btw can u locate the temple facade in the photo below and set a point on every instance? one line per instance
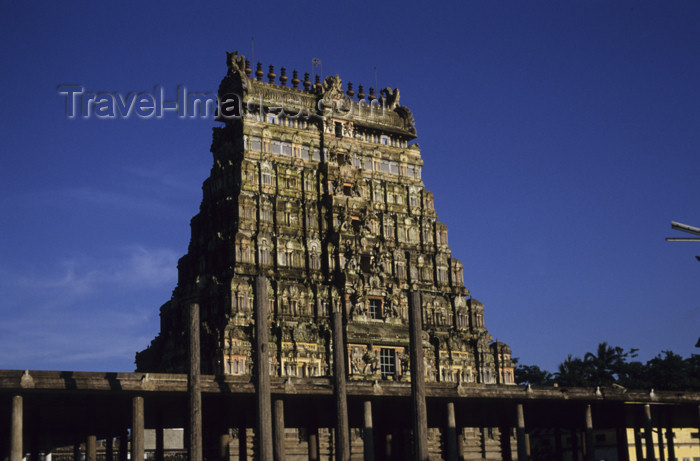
(318, 188)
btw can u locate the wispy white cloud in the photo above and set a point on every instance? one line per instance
(84, 313)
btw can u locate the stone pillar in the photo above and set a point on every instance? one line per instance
(123, 445)
(623, 453)
(368, 438)
(558, 448)
(160, 442)
(91, 448)
(638, 452)
(506, 449)
(278, 429)
(313, 444)
(16, 442)
(420, 413)
(342, 429)
(194, 386)
(590, 441)
(520, 433)
(224, 441)
(137, 429)
(451, 433)
(670, 443)
(262, 372)
(648, 435)
(109, 449)
(660, 439)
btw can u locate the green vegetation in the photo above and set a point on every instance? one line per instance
(613, 365)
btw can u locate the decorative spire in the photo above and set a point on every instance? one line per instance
(307, 82)
(295, 79)
(350, 92)
(248, 70)
(283, 77)
(259, 72)
(372, 97)
(317, 85)
(361, 93)
(271, 75)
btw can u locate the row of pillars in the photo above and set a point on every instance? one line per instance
(137, 435)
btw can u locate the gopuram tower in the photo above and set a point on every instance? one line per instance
(317, 188)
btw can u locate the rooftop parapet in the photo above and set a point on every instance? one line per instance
(324, 100)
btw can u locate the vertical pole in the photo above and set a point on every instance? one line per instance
(109, 449)
(194, 386)
(638, 452)
(451, 435)
(506, 449)
(224, 441)
(670, 443)
(91, 448)
(648, 435)
(137, 429)
(160, 439)
(520, 433)
(590, 441)
(262, 372)
(76, 452)
(16, 448)
(623, 448)
(313, 444)
(342, 431)
(420, 414)
(662, 455)
(278, 427)
(124, 445)
(558, 448)
(368, 448)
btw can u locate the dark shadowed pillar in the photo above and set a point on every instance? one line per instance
(451, 433)
(590, 441)
(313, 444)
(520, 433)
(16, 448)
(670, 443)
(623, 449)
(648, 435)
(342, 430)
(638, 452)
(194, 387)
(368, 448)
(506, 449)
(124, 445)
(278, 428)
(420, 413)
(137, 428)
(660, 433)
(262, 372)
(109, 449)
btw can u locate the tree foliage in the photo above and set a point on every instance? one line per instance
(610, 365)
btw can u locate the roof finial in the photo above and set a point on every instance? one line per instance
(295, 79)
(361, 93)
(283, 77)
(247, 70)
(271, 75)
(372, 97)
(350, 92)
(307, 82)
(318, 83)
(259, 72)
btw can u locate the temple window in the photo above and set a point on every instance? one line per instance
(374, 306)
(387, 361)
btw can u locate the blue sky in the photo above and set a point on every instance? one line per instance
(560, 140)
